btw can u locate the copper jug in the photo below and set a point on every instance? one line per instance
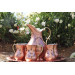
(37, 39)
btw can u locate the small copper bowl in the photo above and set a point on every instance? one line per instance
(30, 53)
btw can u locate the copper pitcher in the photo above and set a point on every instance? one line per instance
(36, 36)
(37, 39)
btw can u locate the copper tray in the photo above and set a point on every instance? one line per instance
(58, 59)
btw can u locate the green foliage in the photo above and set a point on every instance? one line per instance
(7, 21)
(62, 25)
(62, 31)
(9, 28)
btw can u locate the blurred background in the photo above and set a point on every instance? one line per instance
(62, 24)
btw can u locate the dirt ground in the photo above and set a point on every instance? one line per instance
(66, 52)
(6, 50)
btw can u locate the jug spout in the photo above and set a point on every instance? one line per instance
(33, 29)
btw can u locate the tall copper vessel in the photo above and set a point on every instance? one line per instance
(37, 39)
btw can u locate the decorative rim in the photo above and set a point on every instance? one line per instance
(20, 44)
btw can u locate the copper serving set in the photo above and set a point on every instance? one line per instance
(36, 49)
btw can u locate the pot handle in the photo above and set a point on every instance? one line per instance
(48, 38)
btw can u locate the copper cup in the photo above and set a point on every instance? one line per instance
(20, 50)
(49, 55)
(30, 53)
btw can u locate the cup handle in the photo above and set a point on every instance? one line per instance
(13, 48)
